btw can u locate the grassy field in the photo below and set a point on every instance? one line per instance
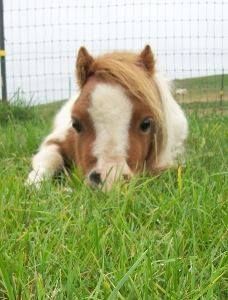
(156, 238)
(203, 89)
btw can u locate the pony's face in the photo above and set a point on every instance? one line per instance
(116, 132)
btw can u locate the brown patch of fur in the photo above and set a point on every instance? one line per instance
(83, 63)
(83, 151)
(143, 147)
(76, 148)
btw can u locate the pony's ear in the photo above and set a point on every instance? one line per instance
(146, 58)
(83, 64)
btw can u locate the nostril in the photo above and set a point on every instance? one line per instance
(95, 177)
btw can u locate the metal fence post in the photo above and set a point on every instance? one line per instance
(222, 88)
(2, 54)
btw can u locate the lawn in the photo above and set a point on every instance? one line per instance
(155, 238)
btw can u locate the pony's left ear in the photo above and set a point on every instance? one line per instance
(146, 58)
(83, 66)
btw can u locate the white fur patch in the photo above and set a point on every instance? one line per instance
(62, 122)
(175, 123)
(111, 112)
(45, 164)
(48, 160)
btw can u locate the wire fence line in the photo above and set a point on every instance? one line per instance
(189, 38)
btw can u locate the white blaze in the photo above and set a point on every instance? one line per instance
(111, 112)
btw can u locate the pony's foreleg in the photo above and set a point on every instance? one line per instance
(45, 164)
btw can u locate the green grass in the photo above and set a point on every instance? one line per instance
(207, 107)
(156, 238)
(206, 88)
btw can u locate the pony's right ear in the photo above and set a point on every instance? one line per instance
(83, 64)
(146, 58)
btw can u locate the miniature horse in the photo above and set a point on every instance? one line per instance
(123, 122)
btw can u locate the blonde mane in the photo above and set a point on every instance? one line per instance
(127, 70)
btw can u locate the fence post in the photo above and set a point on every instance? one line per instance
(2, 54)
(222, 88)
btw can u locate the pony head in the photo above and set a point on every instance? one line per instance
(118, 117)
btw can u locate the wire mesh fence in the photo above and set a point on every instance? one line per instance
(189, 38)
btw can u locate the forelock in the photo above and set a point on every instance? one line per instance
(124, 69)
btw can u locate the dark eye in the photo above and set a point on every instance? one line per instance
(146, 125)
(77, 125)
